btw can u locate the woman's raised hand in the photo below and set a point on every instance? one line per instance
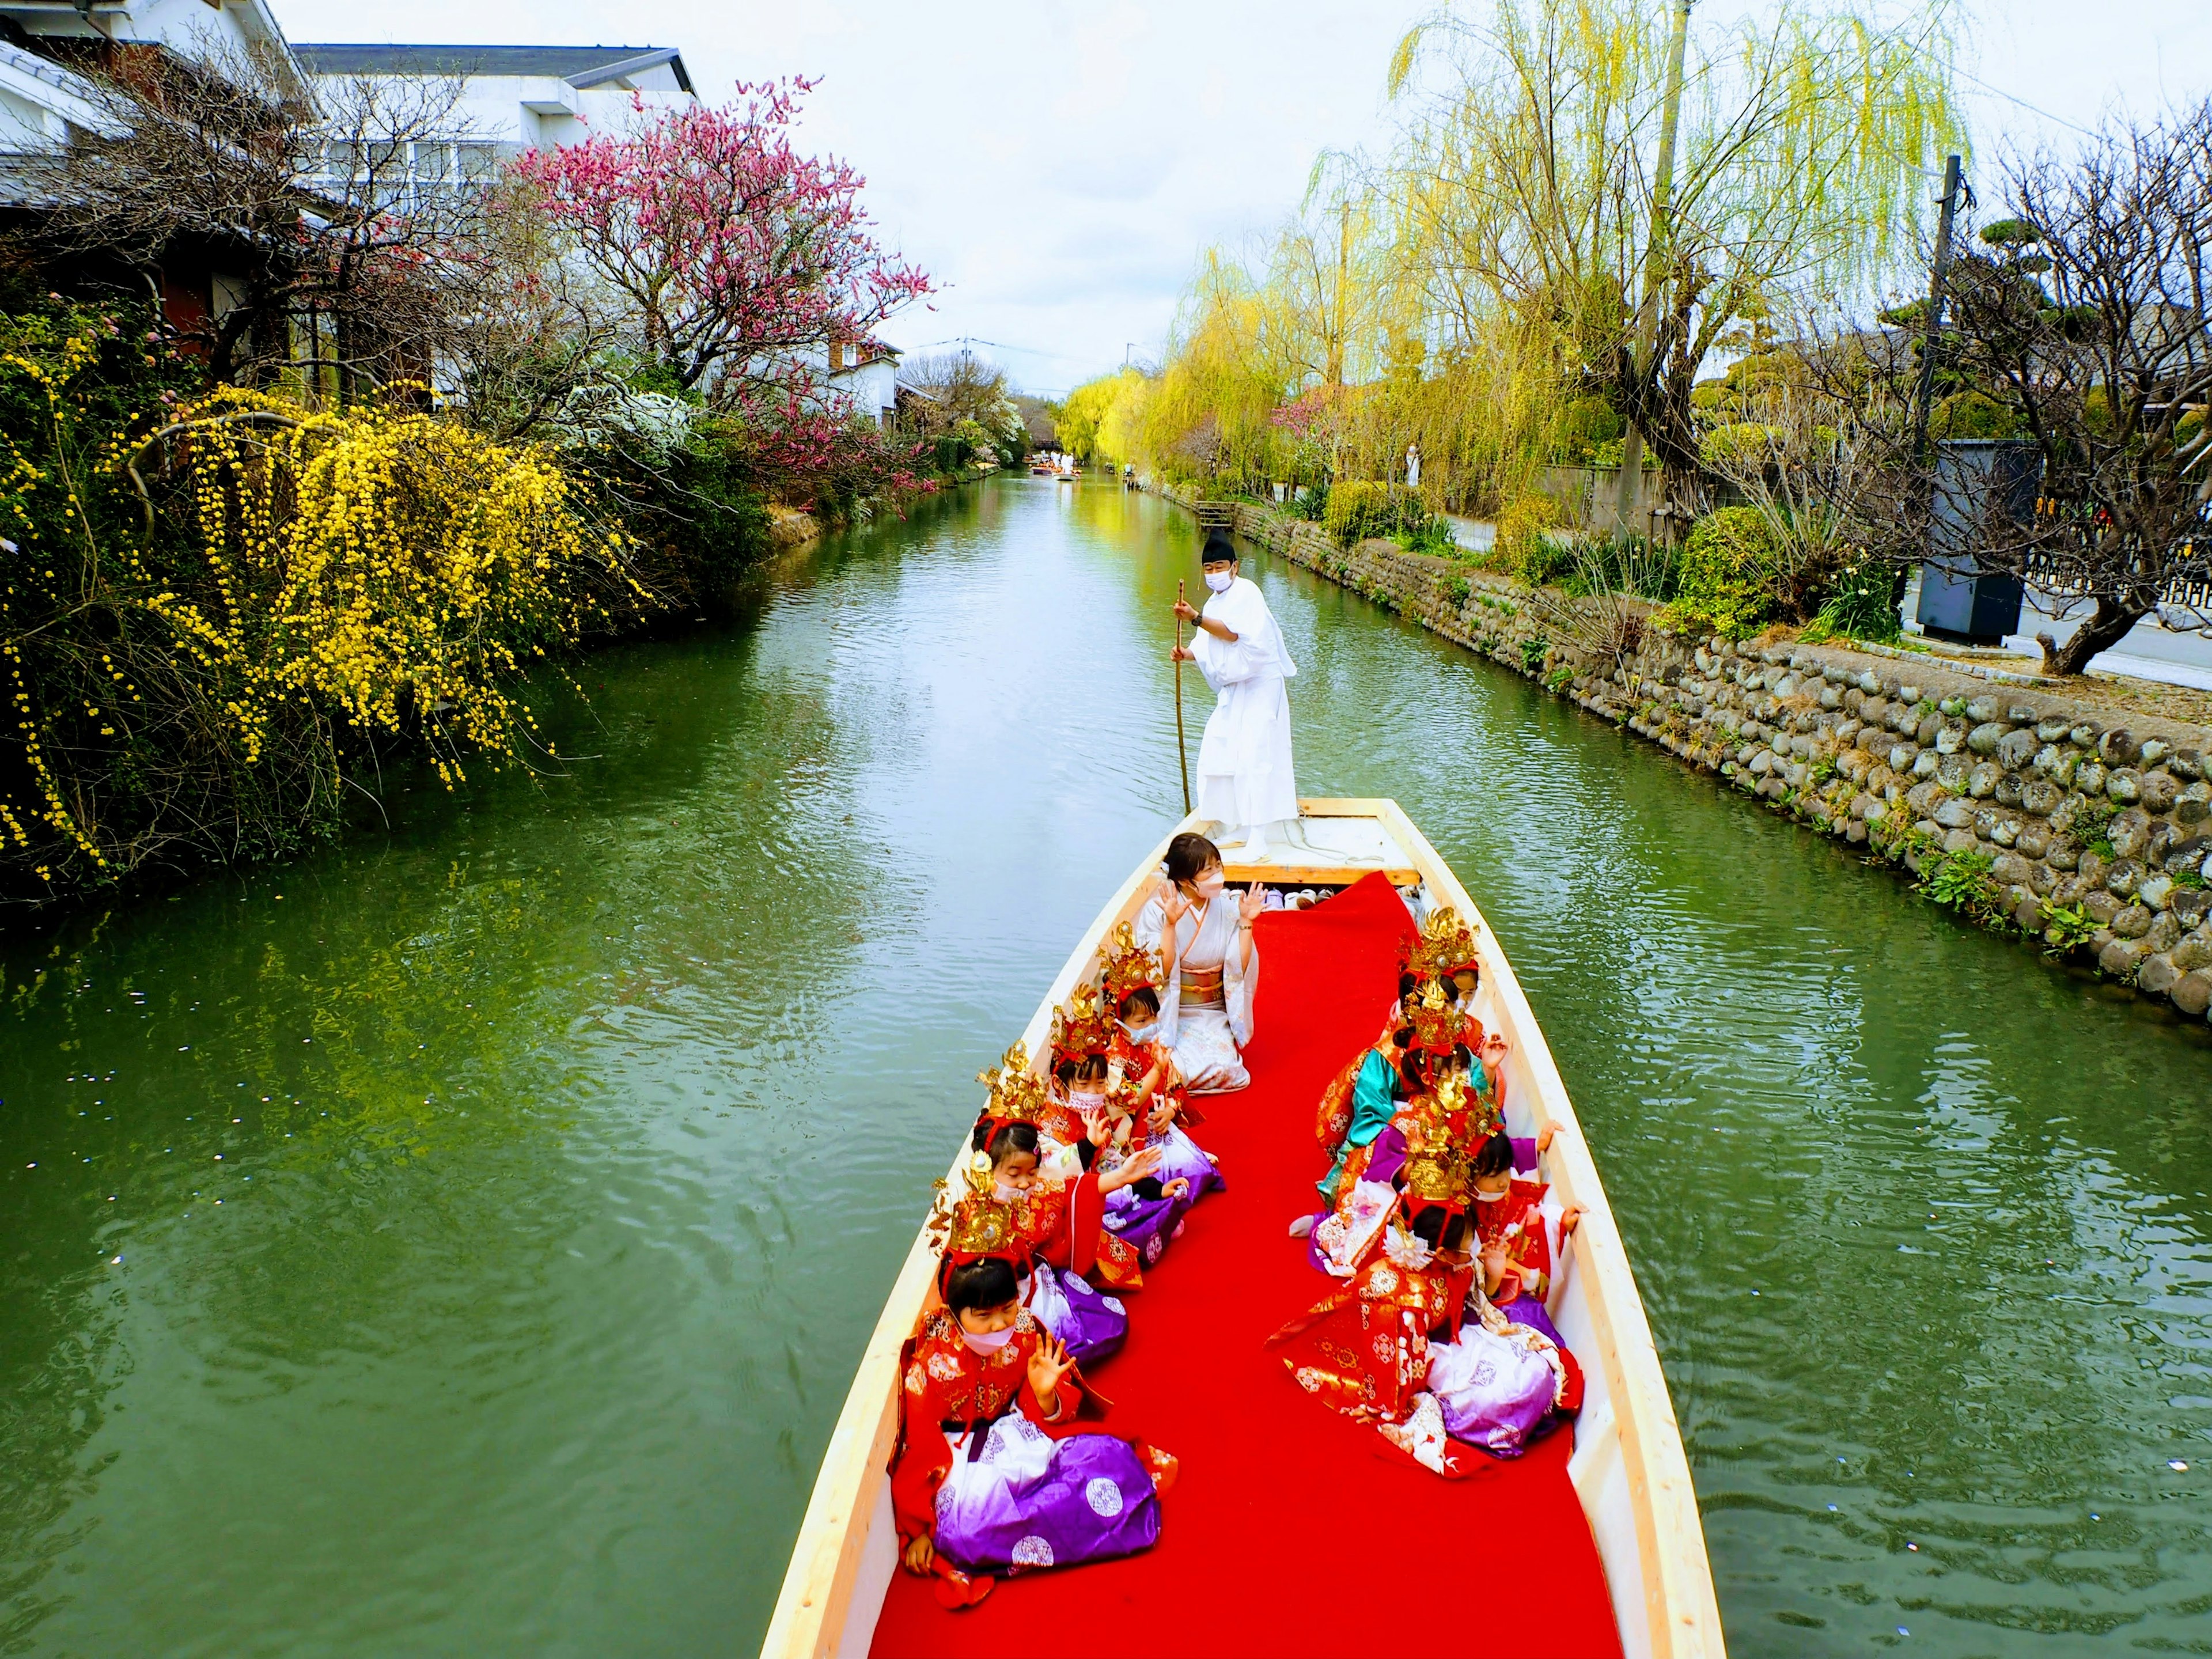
(1250, 902)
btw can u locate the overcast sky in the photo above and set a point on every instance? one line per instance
(1058, 168)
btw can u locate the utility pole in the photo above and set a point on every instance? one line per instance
(1343, 259)
(1939, 269)
(1655, 257)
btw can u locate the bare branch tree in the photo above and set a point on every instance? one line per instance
(343, 229)
(2087, 319)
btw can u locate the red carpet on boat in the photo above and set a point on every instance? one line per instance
(1285, 1533)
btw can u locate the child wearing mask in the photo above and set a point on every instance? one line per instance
(992, 1473)
(1521, 1228)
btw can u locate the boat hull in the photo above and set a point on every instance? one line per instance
(1628, 1469)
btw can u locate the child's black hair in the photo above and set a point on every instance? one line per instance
(1407, 984)
(1429, 1227)
(1495, 1155)
(1087, 1067)
(975, 1285)
(1013, 1138)
(1143, 997)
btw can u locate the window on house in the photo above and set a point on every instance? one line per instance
(479, 163)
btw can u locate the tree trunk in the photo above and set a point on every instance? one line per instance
(2105, 629)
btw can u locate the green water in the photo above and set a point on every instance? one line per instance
(460, 1242)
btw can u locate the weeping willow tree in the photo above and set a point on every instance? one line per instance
(1536, 266)
(1552, 208)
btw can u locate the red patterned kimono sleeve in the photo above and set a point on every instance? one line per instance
(1332, 1114)
(1529, 1250)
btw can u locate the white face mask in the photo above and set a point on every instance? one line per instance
(1004, 1194)
(1141, 1033)
(1498, 1197)
(1219, 580)
(1210, 884)
(987, 1341)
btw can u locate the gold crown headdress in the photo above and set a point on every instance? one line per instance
(1437, 1024)
(983, 1225)
(1439, 1163)
(1446, 945)
(1018, 1093)
(1127, 967)
(1081, 1027)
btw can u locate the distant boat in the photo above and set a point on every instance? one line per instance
(1615, 1502)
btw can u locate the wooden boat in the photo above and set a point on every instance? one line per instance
(1630, 1481)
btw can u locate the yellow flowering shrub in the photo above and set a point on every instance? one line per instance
(218, 605)
(394, 568)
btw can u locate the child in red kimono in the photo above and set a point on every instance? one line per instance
(1389, 1348)
(1062, 1222)
(1520, 1229)
(1363, 1350)
(991, 1472)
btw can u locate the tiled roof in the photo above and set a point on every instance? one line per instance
(580, 66)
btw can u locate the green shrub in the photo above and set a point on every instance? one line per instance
(1971, 414)
(1726, 584)
(1357, 509)
(1311, 502)
(1532, 653)
(1962, 882)
(2065, 930)
(1858, 607)
(1743, 445)
(1582, 427)
(1524, 548)
(1421, 531)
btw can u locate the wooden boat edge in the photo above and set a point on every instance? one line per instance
(811, 1608)
(1680, 1610)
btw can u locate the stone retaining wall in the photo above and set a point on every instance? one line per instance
(2073, 814)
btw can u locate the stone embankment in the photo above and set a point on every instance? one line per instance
(2031, 812)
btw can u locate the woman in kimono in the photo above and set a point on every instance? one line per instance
(991, 1472)
(1204, 935)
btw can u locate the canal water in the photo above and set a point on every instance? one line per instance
(459, 1243)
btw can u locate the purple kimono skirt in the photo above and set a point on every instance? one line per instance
(1089, 1323)
(1494, 1391)
(1027, 1500)
(1151, 1224)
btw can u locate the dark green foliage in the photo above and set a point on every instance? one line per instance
(1858, 607)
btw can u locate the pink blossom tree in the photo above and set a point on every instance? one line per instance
(735, 256)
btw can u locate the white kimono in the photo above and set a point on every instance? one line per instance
(1244, 760)
(1208, 1040)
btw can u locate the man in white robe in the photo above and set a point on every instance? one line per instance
(1244, 779)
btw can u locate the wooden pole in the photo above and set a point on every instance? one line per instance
(1182, 752)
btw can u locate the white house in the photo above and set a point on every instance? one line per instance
(42, 96)
(866, 372)
(514, 99)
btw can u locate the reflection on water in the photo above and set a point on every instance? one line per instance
(501, 1202)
